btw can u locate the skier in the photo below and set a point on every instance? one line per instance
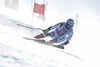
(61, 32)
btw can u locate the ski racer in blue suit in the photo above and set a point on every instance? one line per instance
(61, 32)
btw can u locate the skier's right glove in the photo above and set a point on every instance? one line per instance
(46, 30)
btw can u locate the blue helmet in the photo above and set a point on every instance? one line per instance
(70, 23)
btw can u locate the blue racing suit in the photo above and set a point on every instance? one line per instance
(60, 33)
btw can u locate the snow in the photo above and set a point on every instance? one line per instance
(16, 51)
(82, 51)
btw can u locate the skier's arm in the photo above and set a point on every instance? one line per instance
(56, 26)
(53, 27)
(68, 38)
(70, 34)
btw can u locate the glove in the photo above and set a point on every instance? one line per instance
(46, 30)
(66, 42)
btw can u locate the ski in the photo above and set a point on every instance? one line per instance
(43, 42)
(34, 39)
(58, 46)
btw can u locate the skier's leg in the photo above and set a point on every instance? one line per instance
(54, 37)
(57, 39)
(53, 41)
(42, 35)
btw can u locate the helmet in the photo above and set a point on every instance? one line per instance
(70, 23)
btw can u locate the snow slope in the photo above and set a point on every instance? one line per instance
(16, 51)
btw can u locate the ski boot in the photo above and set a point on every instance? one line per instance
(61, 46)
(39, 36)
(42, 35)
(45, 33)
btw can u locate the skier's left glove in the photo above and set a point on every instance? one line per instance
(66, 42)
(46, 30)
